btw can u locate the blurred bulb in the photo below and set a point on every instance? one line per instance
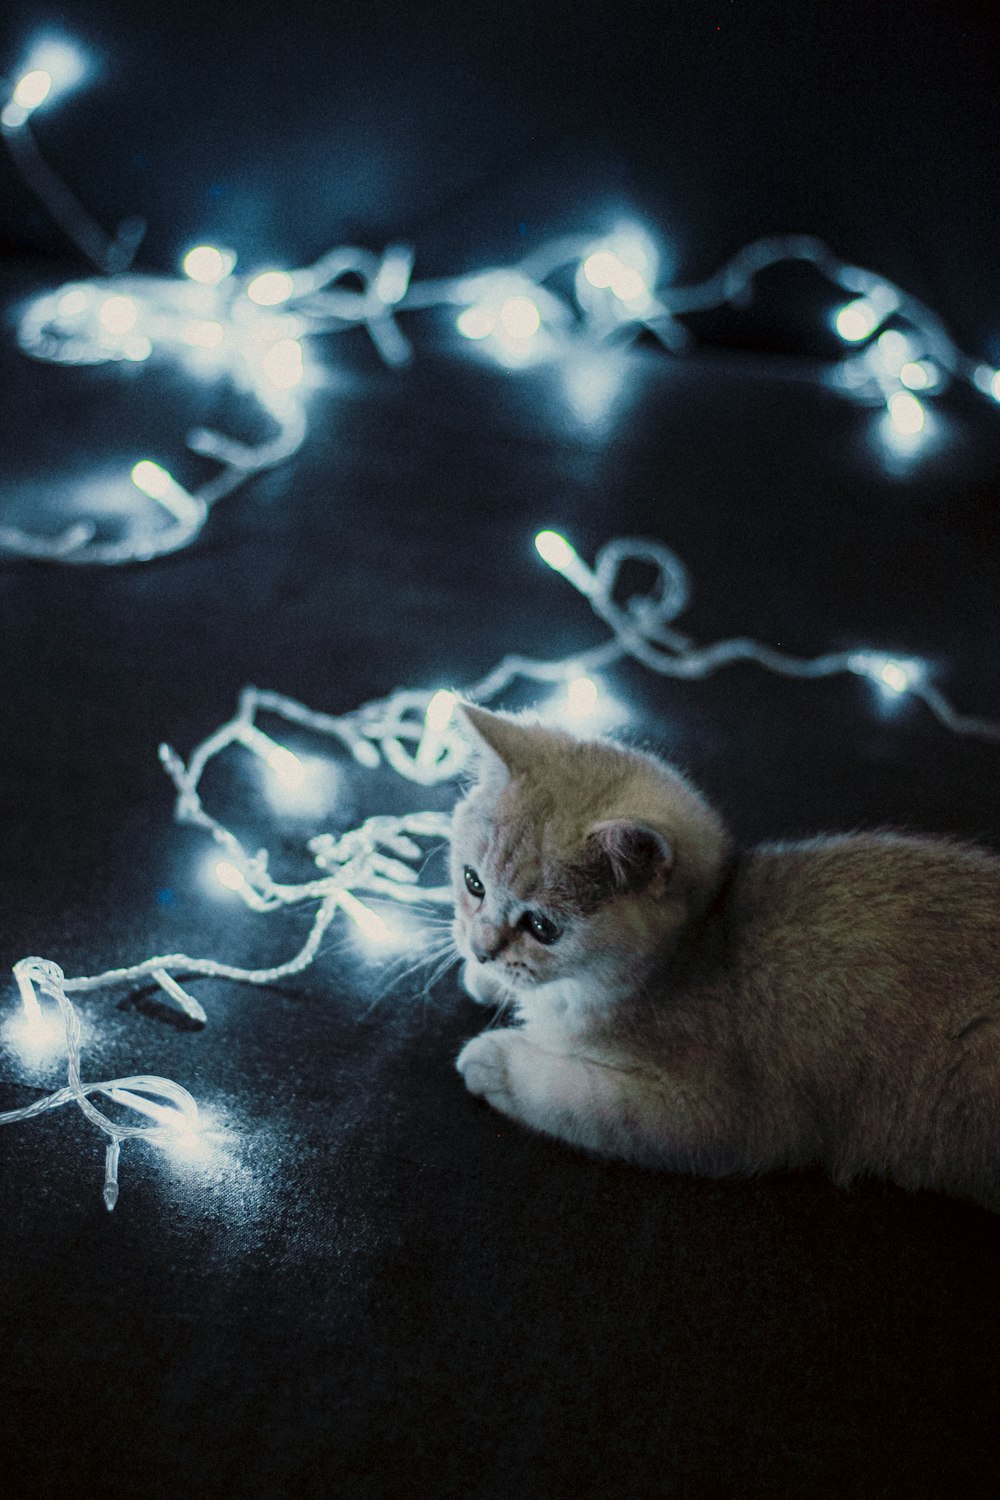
(437, 717)
(208, 264)
(556, 551)
(368, 922)
(151, 478)
(918, 374)
(519, 318)
(73, 302)
(906, 414)
(270, 288)
(857, 320)
(229, 876)
(582, 694)
(894, 676)
(117, 314)
(32, 89)
(476, 322)
(282, 364)
(601, 267)
(285, 764)
(895, 348)
(203, 333)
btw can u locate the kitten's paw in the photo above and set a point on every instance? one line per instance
(483, 1063)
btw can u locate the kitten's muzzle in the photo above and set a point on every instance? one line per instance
(488, 943)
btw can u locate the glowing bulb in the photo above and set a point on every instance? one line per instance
(439, 710)
(582, 694)
(33, 88)
(151, 478)
(118, 314)
(52, 68)
(208, 264)
(72, 303)
(895, 348)
(891, 673)
(995, 386)
(285, 764)
(437, 717)
(368, 922)
(476, 322)
(918, 374)
(601, 268)
(270, 288)
(556, 551)
(519, 318)
(857, 320)
(906, 414)
(894, 677)
(282, 364)
(137, 348)
(229, 876)
(203, 333)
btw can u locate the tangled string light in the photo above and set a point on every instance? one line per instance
(415, 734)
(569, 301)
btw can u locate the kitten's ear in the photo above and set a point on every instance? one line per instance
(511, 741)
(635, 855)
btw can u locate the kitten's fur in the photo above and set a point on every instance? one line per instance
(704, 1010)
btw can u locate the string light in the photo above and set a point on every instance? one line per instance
(250, 329)
(414, 733)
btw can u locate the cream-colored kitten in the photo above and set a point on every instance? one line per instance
(686, 1006)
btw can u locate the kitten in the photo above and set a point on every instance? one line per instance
(689, 1006)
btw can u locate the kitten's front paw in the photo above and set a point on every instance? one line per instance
(483, 1064)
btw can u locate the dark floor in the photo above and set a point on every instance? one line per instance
(376, 1287)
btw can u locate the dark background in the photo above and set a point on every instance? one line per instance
(379, 1288)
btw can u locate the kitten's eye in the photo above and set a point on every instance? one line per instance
(473, 884)
(542, 928)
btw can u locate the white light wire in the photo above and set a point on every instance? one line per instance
(250, 328)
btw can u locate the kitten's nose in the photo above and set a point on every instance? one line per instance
(487, 943)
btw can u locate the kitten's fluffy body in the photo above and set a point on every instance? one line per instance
(833, 1001)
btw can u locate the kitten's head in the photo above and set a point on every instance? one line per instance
(576, 859)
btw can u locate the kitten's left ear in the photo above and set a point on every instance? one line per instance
(636, 855)
(514, 743)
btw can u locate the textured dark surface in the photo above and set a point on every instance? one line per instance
(383, 1289)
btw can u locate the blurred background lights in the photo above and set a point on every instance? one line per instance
(282, 364)
(906, 414)
(519, 318)
(118, 314)
(203, 333)
(32, 89)
(555, 550)
(476, 322)
(897, 676)
(51, 68)
(151, 478)
(270, 288)
(918, 374)
(227, 875)
(856, 321)
(208, 264)
(282, 762)
(74, 301)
